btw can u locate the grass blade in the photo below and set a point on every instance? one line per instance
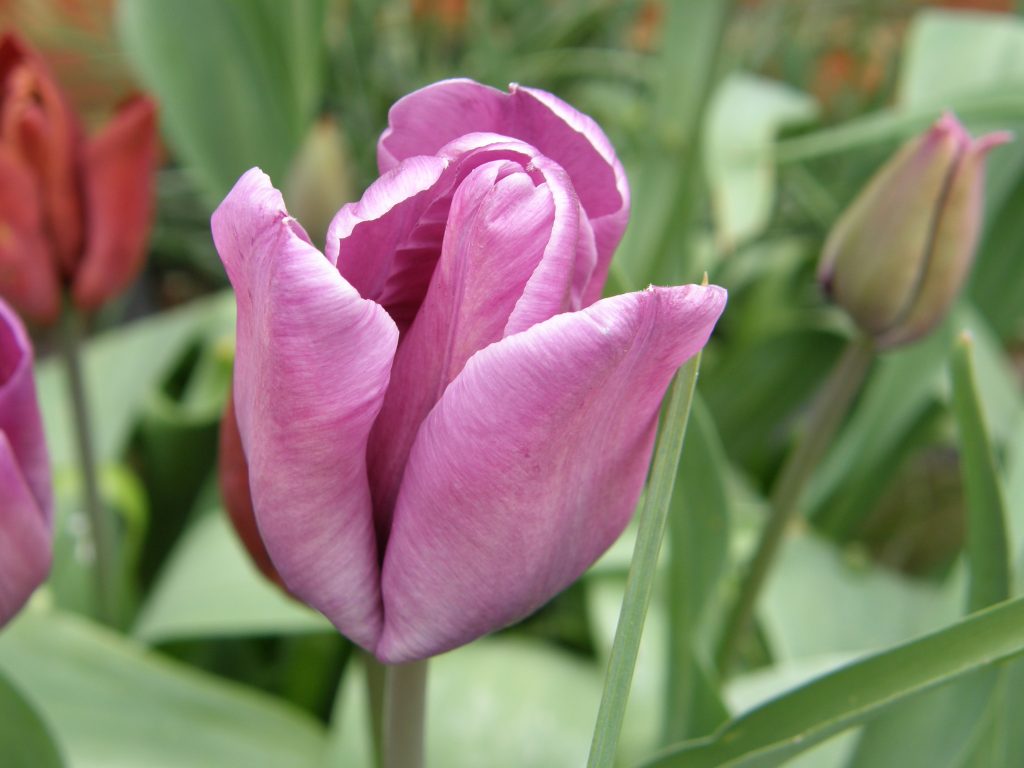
(796, 721)
(640, 582)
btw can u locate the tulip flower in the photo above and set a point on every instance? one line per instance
(74, 212)
(442, 424)
(900, 254)
(26, 502)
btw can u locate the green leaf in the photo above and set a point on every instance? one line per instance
(987, 547)
(239, 81)
(653, 518)
(1015, 505)
(25, 739)
(812, 577)
(698, 535)
(113, 704)
(210, 588)
(122, 368)
(936, 729)
(746, 114)
(792, 723)
(945, 728)
(989, 51)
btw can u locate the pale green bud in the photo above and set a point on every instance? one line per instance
(900, 253)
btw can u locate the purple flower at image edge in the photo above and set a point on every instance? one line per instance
(441, 423)
(26, 497)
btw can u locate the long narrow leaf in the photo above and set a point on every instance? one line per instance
(640, 582)
(796, 721)
(988, 550)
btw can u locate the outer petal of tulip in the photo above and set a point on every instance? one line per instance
(386, 244)
(530, 466)
(567, 136)
(26, 502)
(19, 413)
(25, 548)
(500, 223)
(120, 163)
(312, 364)
(28, 276)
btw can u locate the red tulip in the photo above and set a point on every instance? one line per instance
(74, 211)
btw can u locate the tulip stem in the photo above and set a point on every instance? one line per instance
(404, 716)
(826, 415)
(376, 674)
(99, 523)
(652, 518)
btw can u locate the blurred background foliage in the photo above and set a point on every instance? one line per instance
(745, 128)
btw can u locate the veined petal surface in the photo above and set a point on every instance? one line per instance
(500, 222)
(426, 120)
(312, 365)
(25, 543)
(530, 466)
(20, 421)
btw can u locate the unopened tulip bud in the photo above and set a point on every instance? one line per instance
(320, 179)
(900, 253)
(75, 211)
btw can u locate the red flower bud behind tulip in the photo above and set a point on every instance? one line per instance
(441, 423)
(26, 501)
(899, 255)
(74, 211)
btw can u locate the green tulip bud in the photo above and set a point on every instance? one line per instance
(900, 253)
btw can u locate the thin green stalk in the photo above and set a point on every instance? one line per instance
(376, 674)
(405, 694)
(640, 581)
(100, 524)
(826, 415)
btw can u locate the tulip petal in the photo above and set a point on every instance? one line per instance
(499, 224)
(28, 276)
(605, 200)
(19, 414)
(387, 244)
(312, 365)
(25, 543)
(424, 121)
(120, 163)
(530, 466)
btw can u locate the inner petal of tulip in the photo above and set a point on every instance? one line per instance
(500, 221)
(414, 258)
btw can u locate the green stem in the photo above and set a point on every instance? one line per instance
(375, 677)
(404, 707)
(100, 524)
(826, 415)
(640, 581)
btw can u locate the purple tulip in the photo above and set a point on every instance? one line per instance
(26, 500)
(442, 424)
